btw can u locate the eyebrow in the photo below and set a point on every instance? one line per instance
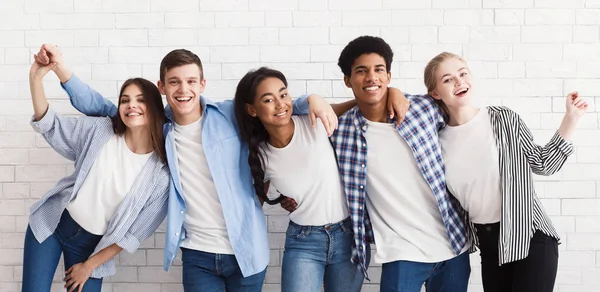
(127, 95)
(271, 94)
(365, 67)
(463, 68)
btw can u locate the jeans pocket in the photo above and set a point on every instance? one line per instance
(297, 231)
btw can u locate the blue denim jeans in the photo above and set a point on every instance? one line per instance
(208, 272)
(317, 256)
(40, 259)
(447, 276)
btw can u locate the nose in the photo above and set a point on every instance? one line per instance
(371, 76)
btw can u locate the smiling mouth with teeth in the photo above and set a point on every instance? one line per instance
(461, 91)
(372, 88)
(281, 114)
(133, 115)
(183, 99)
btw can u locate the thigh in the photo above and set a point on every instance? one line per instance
(451, 275)
(200, 272)
(236, 282)
(404, 276)
(341, 275)
(39, 262)
(304, 260)
(537, 272)
(495, 278)
(92, 285)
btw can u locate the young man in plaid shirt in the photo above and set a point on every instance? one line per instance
(395, 183)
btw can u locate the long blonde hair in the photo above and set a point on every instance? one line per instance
(431, 69)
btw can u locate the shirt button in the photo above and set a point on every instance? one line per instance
(364, 144)
(360, 208)
(364, 127)
(363, 166)
(361, 187)
(360, 247)
(181, 212)
(176, 233)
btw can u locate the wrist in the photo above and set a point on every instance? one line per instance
(571, 116)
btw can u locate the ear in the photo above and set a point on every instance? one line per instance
(161, 87)
(435, 95)
(347, 81)
(202, 85)
(251, 110)
(389, 77)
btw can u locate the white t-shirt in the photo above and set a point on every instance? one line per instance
(306, 170)
(473, 168)
(108, 182)
(404, 214)
(204, 221)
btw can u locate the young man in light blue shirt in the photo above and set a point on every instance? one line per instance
(214, 214)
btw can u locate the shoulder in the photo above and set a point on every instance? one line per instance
(503, 113)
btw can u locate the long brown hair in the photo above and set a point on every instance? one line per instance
(431, 69)
(155, 113)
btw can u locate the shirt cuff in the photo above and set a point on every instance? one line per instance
(46, 123)
(129, 243)
(565, 146)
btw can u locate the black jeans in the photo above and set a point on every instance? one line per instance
(535, 273)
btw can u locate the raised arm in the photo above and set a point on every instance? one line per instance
(84, 98)
(550, 158)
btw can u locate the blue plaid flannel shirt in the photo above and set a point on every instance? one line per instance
(420, 130)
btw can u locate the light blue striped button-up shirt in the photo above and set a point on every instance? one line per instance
(227, 159)
(139, 214)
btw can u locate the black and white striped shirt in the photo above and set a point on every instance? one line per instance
(519, 157)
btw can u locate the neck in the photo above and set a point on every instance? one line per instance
(280, 136)
(139, 141)
(461, 115)
(374, 112)
(186, 119)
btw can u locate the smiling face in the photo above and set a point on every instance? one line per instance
(132, 108)
(182, 87)
(369, 79)
(272, 104)
(453, 83)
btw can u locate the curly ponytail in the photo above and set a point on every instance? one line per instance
(252, 131)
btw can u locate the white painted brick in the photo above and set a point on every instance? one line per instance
(531, 104)
(423, 35)
(17, 21)
(273, 5)
(285, 54)
(592, 3)
(115, 71)
(427, 51)
(417, 17)
(6, 274)
(12, 207)
(124, 287)
(580, 207)
(563, 223)
(568, 276)
(189, 20)
(50, 6)
(263, 36)
(559, 4)
(124, 38)
(409, 70)
(570, 189)
(487, 52)
(326, 53)
(139, 20)
(468, 16)
(492, 34)
(453, 34)
(508, 4)
(585, 33)
(322, 88)
(17, 139)
(234, 54)
(484, 69)
(586, 138)
(135, 55)
(12, 38)
(7, 174)
(588, 154)
(456, 4)
(46, 156)
(585, 87)
(318, 18)
(581, 52)
(87, 6)
(273, 275)
(172, 37)
(303, 36)
(78, 21)
(277, 223)
(12, 240)
(501, 87)
(552, 206)
(549, 16)
(221, 89)
(509, 16)
(313, 5)
(367, 18)
(394, 35)
(406, 4)
(590, 277)
(212, 71)
(223, 36)
(583, 241)
(36, 38)
(137, 258)
(15, 190)
(304, 71)
(13, 6)
(240, 19)
(537, 52)
(331, 71)
(174, 5)
(552, 121)
(223, 5)
(354, 5)
(587, 16)
(86, 38)
(343, 35)
(90, 55)
(39, 173)
(588, 223)
(547, 34)
(548, 69)
(158, 275)
(16, 56)
(14, 156)
(278, 19)
(134, 6)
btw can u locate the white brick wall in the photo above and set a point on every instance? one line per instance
(527, 54)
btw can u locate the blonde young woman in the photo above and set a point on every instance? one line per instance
(490, 156)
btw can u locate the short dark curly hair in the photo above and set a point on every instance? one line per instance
(364, 45)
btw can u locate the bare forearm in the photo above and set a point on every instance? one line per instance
(63, 72)
(38, 97)
(568, 125)
(341, 108)
(104, 255)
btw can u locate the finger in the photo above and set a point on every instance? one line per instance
(72, 287)
(80, 287)
(327, 125)
(69, 270)
(313, 119)
(334, 119)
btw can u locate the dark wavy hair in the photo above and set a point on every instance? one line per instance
(251, 128)
(364, 45)
(155, 113)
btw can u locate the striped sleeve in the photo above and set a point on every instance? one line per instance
(150, 217)
(62, 133)
(545, 160)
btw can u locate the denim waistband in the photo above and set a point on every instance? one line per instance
(344, 225)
